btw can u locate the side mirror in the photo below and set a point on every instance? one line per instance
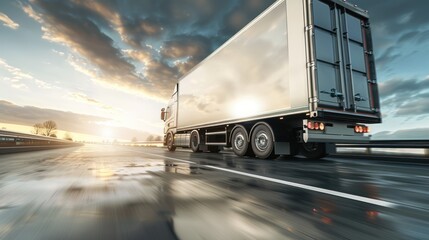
(163, 114)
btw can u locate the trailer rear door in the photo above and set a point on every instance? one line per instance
(345, 73)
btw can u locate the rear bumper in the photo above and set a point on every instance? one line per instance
(334, 132)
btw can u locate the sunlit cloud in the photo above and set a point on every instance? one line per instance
(19, 86)
(58, 52)
(16, 72)
(18, 75)
(31, 13)
(162, 38)
(8, 22)
(66, 121)
(81, 97)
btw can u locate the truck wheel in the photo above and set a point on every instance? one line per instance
(262, 142)
(170, 142)
(313, 150)
(239, 143)
(195, 138)
(213, 149)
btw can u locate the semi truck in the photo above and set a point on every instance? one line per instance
(297, 79)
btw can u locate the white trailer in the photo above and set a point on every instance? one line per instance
(298, 77)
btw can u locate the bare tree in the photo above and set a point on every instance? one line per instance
(37, 129)
(150, 138)
(50, 127)
(134, 140)
(68, 136)
(158, 138)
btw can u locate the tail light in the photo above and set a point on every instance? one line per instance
(316, 126)
(361, 129)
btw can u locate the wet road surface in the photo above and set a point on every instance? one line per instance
(118, 192)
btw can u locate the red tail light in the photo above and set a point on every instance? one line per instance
(316, 126)
(361, 129)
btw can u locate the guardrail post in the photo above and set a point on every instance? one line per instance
(426, 153)
(368, 151)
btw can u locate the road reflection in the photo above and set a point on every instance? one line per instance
(99, 192)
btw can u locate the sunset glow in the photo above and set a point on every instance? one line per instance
(117, 62)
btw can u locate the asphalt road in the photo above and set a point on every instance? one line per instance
(117, 192)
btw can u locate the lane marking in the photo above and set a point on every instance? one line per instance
(292, 184)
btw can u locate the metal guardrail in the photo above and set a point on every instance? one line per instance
(12, 142)
(391, 144)
(10, 134)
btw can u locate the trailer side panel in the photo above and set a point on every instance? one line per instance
(255, 74)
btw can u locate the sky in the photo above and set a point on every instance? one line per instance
(107, 67)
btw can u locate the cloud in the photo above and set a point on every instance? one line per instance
(66, 121)
(71, 27)
(159, 41)
(31, 13)
(182, 46)
(8, 22)
(242, 13)
(396, 25)
(14, 71)
(81, 97)
(405, 97)
(403, 86)
(18, 76)
(58, 52)
(397, 16)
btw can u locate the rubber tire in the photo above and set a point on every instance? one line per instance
(268, 153)
(246, 148)
(170, 142)
(213, 149)
(195, 146)
(313, 150)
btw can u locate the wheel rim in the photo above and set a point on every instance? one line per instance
(261, 141)
(239, 141)
(194, 140)
(169, 140)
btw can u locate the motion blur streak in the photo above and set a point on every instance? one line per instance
(122, 192)
(303, 186)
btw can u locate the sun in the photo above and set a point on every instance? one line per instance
(107, 133)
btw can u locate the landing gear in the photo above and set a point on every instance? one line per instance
(313, 150)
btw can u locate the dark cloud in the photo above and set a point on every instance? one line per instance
(396, 23)
(67, 24)
(67, 121)
(242, 13)
(415, 106)
(403, 86)
(396, 16)
(169, 37)
(405, 97)
(182, 46)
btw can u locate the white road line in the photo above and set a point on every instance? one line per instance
(292, 184)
